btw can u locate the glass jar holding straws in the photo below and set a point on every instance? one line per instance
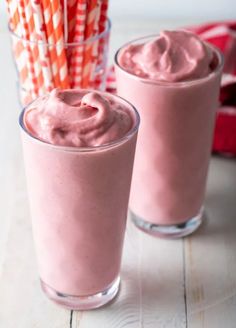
(58, 44)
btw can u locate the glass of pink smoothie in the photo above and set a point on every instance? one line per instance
(173, 79)
(78, 151)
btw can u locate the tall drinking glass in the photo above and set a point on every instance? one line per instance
(78, 199)
(173, 149)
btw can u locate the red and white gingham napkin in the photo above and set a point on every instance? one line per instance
(223, 36)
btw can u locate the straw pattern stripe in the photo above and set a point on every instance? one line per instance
(89, 32)
(102, 41)
(95, 46)
(44, 59)
(28, 53)
(71, 17)
(18, 48)
(57, 20)
(48, 23)
(76, 60)
(33, 47)
(43, 49)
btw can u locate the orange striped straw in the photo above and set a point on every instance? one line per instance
(42, 45)
(57, 19)
(18, 48)
(28, 53)
(33, 46)
(51, 39)
(11, 23)
(102, 41)
(71, 17)
(103, 16)
(71, 20)
(95, 46)
(76, 60)
(42, 57)
(89, 32)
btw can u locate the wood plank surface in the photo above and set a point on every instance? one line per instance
(152, 289)
(22, 303)
(165, 284)
(211, 254)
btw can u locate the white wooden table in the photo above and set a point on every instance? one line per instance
(182, 283)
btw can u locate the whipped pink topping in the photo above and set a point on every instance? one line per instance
(78, 118)
(173, 56)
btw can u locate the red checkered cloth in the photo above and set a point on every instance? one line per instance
(223, 36)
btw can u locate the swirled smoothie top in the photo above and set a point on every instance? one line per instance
(78, 118)
(172, 57)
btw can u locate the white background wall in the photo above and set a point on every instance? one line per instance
(165, 9)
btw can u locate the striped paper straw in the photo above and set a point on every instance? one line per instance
(51, 39)
(18, 48)
(76, 60)
(43, 57)
(33, 46)
(42, 44)
(102, 44)
(89, 32)
(95, 47)
(103, 16)
(28, 53)
(71, 17)
(57, 19)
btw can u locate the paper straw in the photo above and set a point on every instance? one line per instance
(14, 17)
(89, 32)
(95, 47)
(76, 60)
(42, 45)
(51, 39)
(11, 24)
(103, 16)
(65, 22)
(102, 41)
(34, 46)
(71, 18)
(18, 48)
(28, 53)
(57, 20)
(43, 59)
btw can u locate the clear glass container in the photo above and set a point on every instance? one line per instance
(78, 200)
(173, 148)
(42, 66)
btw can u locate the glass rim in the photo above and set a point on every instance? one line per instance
(217, 70)
(111, 144)
(103, 34)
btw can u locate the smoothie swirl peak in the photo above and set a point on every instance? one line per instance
(78, 118)
(173, 56)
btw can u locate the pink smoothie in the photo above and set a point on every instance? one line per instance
(78, 150)
(173, 80)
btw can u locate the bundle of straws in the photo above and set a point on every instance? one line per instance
(57, 43)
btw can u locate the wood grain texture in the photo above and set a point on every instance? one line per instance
(211, 254)
(22, 303)
(158, 276)
(152, 292)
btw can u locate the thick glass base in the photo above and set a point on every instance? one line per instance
(82, 302)
(168, 231)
